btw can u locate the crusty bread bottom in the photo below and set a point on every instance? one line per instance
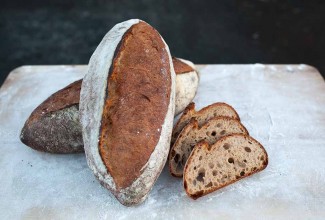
(228, 160)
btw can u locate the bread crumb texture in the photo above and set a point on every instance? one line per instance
(211, 167)
(213, 110)
(192, 134)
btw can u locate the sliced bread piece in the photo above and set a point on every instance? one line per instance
(192, 134)
(210, 111)
(211, 167)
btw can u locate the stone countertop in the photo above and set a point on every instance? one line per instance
(282, 106)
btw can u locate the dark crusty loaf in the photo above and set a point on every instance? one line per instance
(211, 131)
(60, 131)
(211, 167)
(127, 104)
(54, 125)
(210, 111)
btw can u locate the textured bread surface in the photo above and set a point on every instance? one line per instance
(210, 111)
(135, 108)
(127, 103)
(181, 67)
(211, 131)
(211, 167)
(54, 125)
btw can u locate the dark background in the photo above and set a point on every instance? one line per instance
(229, 31)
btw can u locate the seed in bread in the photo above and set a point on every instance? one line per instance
(59, 131)
(211, 167)
(127, 104)
(210, 111)
(54, 125)
(211, 131)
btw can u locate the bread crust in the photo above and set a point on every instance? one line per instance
(54, 125)
(181, 67)
(136, 103)
(187, 82)
(207, 147)
(92, 102)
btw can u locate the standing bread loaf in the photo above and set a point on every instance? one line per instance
(127, 104)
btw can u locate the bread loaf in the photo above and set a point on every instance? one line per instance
(54, 125)
(187, 81)
(192, 133)
(210, 111)
(211, 167)
(127, 105)
(59, 130)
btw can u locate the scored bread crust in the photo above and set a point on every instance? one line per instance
(205, 146)
(193, 126)
(136, 104)
(92, 100)
(190, 113)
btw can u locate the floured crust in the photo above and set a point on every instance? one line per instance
(63, 98)
(54, 125)
(204, 146)
(136, 104)
(92, 101)
(186, 83)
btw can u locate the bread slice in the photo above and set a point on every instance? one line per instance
(211, 131)
(210, 111)
(127, 104)
(211, 167)
(54, 125)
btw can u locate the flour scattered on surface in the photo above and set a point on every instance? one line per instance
(259, 65)
(289, 69)
(302, 66)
